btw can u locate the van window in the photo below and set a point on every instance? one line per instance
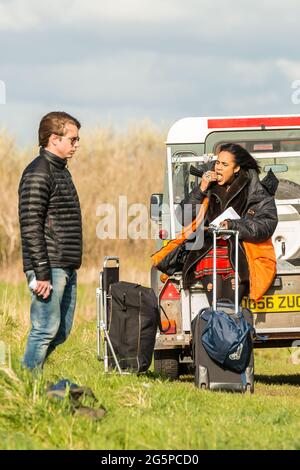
(287, 168)
(284, 168)
(183, 181)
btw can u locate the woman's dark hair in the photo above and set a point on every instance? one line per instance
(241, 156)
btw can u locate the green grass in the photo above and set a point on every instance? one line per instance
(145, 412)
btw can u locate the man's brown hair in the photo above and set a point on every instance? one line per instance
(54, 123)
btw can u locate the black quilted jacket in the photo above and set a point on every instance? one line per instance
(50, 216)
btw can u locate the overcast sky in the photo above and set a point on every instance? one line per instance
(119, 61)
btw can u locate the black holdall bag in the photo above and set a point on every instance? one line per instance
(133, 320)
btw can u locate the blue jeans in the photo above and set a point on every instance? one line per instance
(51, 318)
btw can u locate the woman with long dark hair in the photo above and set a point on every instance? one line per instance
(233, 182)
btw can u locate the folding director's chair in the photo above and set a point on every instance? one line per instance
(108, 276)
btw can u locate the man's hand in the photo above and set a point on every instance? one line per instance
(208, 178)
(43, 289)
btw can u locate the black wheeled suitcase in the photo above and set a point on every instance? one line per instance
(133, 320)
(127, 321)
(210, 374)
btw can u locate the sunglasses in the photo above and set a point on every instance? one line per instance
(73, 140)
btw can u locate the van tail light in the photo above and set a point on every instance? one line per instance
(168, 327)
(163, 234)
(163, 277)
(170, 292)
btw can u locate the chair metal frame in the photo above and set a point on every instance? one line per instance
(103, 300)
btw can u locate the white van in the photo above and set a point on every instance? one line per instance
(275, 142)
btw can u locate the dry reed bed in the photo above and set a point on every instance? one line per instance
(109, 164)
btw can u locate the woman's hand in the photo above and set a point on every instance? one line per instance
(207, 178)
(224, 225)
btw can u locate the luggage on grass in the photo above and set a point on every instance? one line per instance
(222, 340)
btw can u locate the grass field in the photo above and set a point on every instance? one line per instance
(145, 412)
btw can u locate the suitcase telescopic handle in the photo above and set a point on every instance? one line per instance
(111, 258)
(236, 268)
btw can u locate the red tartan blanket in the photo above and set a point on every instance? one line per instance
(224, 268)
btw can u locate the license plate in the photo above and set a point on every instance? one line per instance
(273, 303)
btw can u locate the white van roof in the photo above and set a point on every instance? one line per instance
(194, 130)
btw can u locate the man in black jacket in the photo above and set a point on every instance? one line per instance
(51, 233)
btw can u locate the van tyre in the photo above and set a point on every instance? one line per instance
(166, 362)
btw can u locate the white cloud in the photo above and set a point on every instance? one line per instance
(127, 59)
(126, 11)
(137, 78)
(197, 18)
(140, 83)
(289, 68)
(266, 102)
(18, 15)
(252, 73)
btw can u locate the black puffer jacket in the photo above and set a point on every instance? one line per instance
(50, 216)
(258, 221)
